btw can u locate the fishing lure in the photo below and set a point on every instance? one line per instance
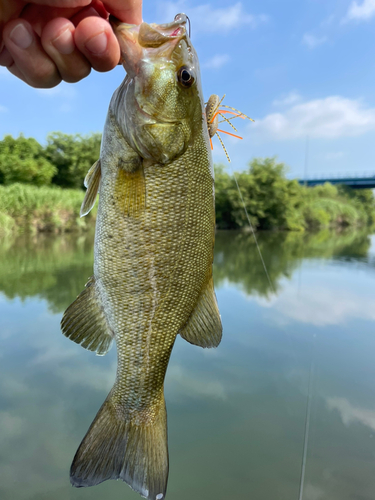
(214, 111)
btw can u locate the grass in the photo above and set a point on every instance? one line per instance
(41, 209)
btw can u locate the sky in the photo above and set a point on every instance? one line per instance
(304, 70)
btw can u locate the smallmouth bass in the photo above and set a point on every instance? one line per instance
(153, 252)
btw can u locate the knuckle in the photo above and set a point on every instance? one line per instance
(44, 81)
(104, 64)
(42, 74)
(81, 73)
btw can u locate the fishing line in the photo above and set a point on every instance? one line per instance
(307, 420)
(253, 231)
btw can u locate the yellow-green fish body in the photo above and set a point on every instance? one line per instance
(153, 253)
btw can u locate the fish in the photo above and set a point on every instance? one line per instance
(153, 252)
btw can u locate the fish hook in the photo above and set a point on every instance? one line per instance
(180, 17)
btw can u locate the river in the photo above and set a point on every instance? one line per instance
(293, 380)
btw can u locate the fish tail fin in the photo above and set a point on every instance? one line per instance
(116, 447)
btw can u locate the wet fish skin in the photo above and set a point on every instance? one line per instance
(153, 253)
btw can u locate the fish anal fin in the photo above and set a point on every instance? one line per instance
(203, 328)
(84, 321)
(130, 191)
(92, 182)
(131, 449)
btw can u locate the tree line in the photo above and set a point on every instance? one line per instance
(63, 161)
(272, 200)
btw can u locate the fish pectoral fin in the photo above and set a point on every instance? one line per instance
(85, 323)
(92, 181)
(130, 191)
(203, 328)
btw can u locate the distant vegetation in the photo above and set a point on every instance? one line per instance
(41, 190)
(41, 209)
(64, 160)
(275, 202)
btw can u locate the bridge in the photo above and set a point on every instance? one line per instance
(360, 180)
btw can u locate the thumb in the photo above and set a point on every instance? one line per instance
(127, 11)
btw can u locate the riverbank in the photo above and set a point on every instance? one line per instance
(276, 204)
(26, 208)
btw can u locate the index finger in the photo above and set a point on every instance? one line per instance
(128, 11)
(62, 3)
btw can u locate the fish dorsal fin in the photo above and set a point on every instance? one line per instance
(130, 191)
(92, 181)
(203, 328)
(84, 321)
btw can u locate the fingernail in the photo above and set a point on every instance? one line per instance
(64, 43)
(21, 37)
(97, 44)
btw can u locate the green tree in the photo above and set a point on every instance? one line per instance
(23, 160)
(271, 200)
(224, 199)
(72, 155)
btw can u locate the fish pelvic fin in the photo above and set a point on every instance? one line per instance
(85, 323)
(92, 182)
(130, 191)
(133, 450)
(203, 328)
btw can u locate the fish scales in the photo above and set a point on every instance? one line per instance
(164, 247)
(153, 253)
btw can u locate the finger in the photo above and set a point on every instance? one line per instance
(62, 3)
(128, 12)
(58, 42)
(16, 72)
(39, 16)
(5, 58)
(87, 12)
(95, 39)
(30, 59)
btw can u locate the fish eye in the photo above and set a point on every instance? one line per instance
(185, 77)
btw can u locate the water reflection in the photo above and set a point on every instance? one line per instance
(237, 260)
(236, 414)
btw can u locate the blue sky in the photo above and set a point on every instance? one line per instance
(300, 68)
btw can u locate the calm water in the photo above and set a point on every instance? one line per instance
(236, 414)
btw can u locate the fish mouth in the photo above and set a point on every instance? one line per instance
(134, 39)
(153, 35)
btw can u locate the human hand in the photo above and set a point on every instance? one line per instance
(45, 41)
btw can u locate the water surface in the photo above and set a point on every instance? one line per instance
(236, 414)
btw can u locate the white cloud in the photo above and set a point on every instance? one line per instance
(320, 307)
(351, 414)
(327, 118)
(62, 90)
(313, 41)
(313, 492)
(289, 99)
(11, 425)
(207, 19)
(181, 384)
(360, 12)
(217, 61)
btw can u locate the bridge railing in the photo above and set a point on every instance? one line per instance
(366, 174)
